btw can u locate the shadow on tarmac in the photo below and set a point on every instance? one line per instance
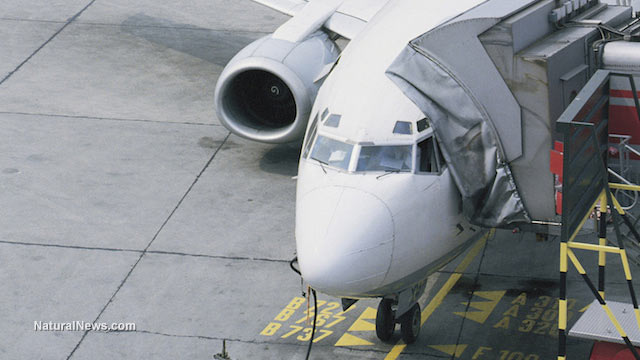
(215, 46)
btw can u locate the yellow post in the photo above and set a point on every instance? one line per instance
(602, 234)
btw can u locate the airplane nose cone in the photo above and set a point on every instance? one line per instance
(344, 240)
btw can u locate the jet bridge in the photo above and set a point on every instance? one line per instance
(496, 117)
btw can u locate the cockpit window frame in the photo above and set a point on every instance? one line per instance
(311, 136)
(354, 150)
(442, 163)
(361, 146)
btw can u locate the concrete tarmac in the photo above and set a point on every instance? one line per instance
(125, 201)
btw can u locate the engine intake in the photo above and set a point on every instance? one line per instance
(267, 90)
(261, 99)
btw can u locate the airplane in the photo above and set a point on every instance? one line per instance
(387, 191)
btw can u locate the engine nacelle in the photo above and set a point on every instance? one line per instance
(265, 93)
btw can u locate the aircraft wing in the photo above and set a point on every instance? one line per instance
(343, 17)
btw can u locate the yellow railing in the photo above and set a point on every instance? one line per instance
(567, 255)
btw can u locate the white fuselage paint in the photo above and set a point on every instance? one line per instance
(359, 234)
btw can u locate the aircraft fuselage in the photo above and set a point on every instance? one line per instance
(377, 210)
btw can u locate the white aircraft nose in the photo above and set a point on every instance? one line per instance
(344, 240)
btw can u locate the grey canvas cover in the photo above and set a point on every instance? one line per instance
(469, 142)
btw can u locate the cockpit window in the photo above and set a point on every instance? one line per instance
(332, 152)
(333, 121)
(402, 127)
(429, 156)
(422, 125)
(385, 158)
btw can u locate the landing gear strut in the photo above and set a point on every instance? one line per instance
(410, 322)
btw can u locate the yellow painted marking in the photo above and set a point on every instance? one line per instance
(295, 328)
(451, 350)
(637, 312)
(481, 351)
(562, 357)
(520, 300)
(296, 303)
(306, 335)
(330, 307)
(437, 300)
(624, 187)
(614, 320)
(485, 307)
(503, 324)
(271, 329)
(352, 340)
(339, 318)
(396, 351)
(323, 334)
(513, 311)
(592, 247)
(285, 314)
(562, 315)
(362, 324)
(586, 216)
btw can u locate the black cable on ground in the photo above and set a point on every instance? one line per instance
(313, 330)
(294, 260)
(315, 306)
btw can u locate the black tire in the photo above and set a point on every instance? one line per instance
(385, 323)
(410, 325)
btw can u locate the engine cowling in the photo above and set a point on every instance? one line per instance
(265, 93)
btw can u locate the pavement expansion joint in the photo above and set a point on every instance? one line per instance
(68, 246)
(69, 21)
(195, 181)
(256, 342)
(223, 30)
(223, 257)
(85, 117)
(84, 335)
(33, 20)
(155, 252)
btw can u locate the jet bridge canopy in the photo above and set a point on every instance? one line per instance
(469, 143)
(478, 135)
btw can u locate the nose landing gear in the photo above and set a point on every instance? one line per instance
(410, 322)
(385, 320)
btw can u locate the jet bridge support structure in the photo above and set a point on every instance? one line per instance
(584, 127)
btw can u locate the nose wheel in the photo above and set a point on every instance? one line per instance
(385, 320)
(410, 324)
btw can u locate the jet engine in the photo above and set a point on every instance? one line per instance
(265, 93)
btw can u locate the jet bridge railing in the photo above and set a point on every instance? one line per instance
(585, 187)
